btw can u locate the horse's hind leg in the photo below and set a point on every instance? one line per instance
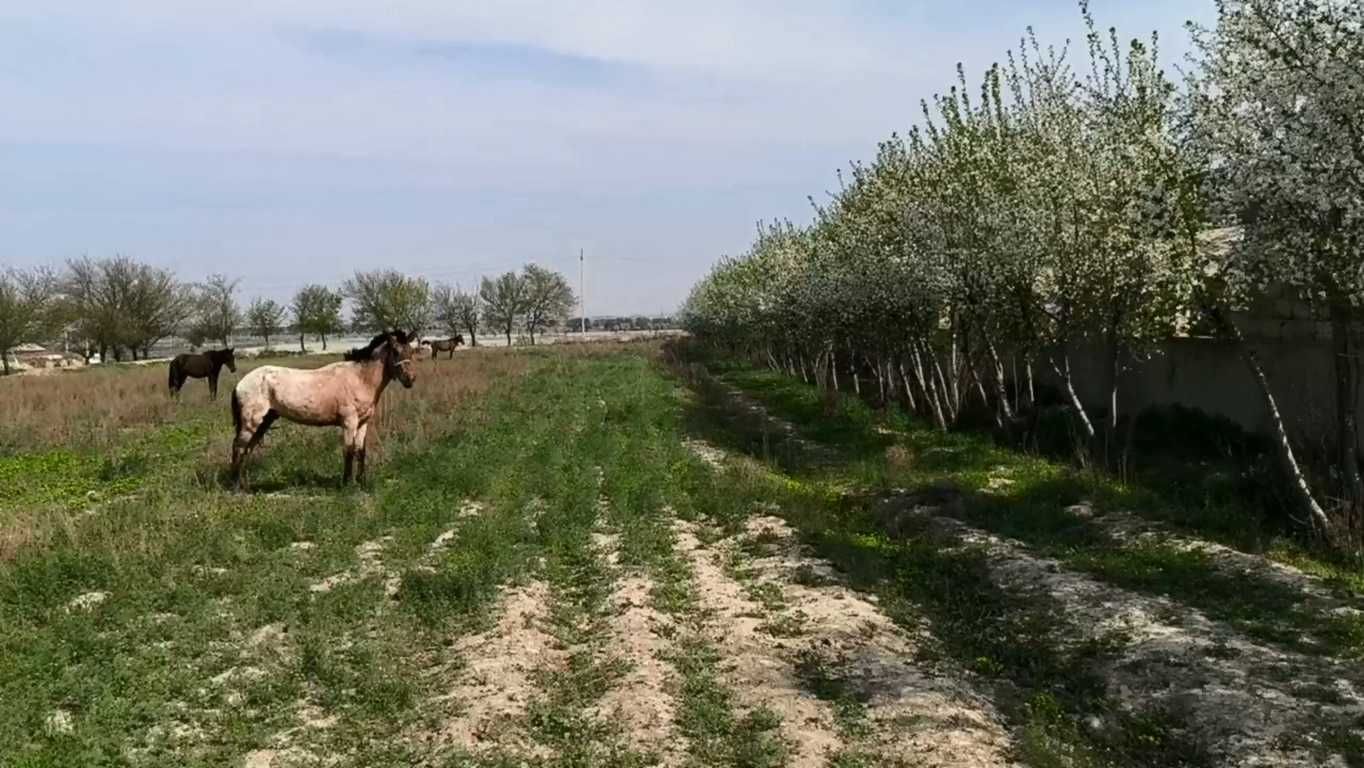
(349, 431)
(252, 431)
(265, 422)
(360, 451)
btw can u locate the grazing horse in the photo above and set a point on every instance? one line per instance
(210, 364)
(342, 394)
(445, 346)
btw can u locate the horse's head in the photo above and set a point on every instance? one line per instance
(458, 339)
(399, 354)
(230, 359)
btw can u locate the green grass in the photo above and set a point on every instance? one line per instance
(212, 639)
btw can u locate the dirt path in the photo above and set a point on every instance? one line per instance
(494, 684)
(755, 663)
(1315, 595)
(1246, 702)
(850, 645)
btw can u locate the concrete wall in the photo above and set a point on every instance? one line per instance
(1212, 376)
(1293, 341)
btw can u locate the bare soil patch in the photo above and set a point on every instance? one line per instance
(932, 714)
(641, 703)
(492, 689)
(753, 662)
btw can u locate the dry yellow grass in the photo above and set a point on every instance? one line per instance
(103, 407)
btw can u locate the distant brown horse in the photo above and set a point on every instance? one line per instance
(447, 345)
(342, 394)
(209, 364)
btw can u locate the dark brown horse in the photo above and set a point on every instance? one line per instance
(448, 345)
(209, 364)
(344, 394)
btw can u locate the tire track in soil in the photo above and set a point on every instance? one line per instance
(752, 662)
(640, 704)
(909, 710)
(496, 681)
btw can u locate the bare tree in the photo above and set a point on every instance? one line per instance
(155, 305)
(218, 314)
(89, 307)
(504, 302)
(265, 318)
(548, 298)
(386, 299)
(26, 304)
(115, 304)
(317, 311)
(456, 311)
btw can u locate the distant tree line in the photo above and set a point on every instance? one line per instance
(119, 308)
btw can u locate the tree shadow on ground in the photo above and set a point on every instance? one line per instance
(1056, 511)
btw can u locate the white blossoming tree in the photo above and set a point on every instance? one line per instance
(1278, 108)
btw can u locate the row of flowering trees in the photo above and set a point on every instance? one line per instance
(1045, 209)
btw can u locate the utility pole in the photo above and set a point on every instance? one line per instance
(582, 294)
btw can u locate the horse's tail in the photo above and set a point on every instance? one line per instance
(174, 369)
(236, 412)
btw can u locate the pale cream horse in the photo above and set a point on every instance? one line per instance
(343, 394)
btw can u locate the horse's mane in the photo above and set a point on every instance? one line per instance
(367, 352)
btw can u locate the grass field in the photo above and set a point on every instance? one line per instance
(619, 555)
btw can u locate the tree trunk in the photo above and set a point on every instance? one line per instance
(1063, 371)
(1114, 371)
(301, 347)
(909, 390)
(1347, 405)
(1298, 481)
(1001, 386)
(948, 396)
(324, 342)
(956, 372)
(4, 356)
(930, 390)
(473, 338)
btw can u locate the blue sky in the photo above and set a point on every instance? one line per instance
(293, 142)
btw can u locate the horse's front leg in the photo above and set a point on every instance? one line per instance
(213, 386)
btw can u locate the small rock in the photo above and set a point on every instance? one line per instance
(58, 723)
(87, 601)
(1082, 511)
